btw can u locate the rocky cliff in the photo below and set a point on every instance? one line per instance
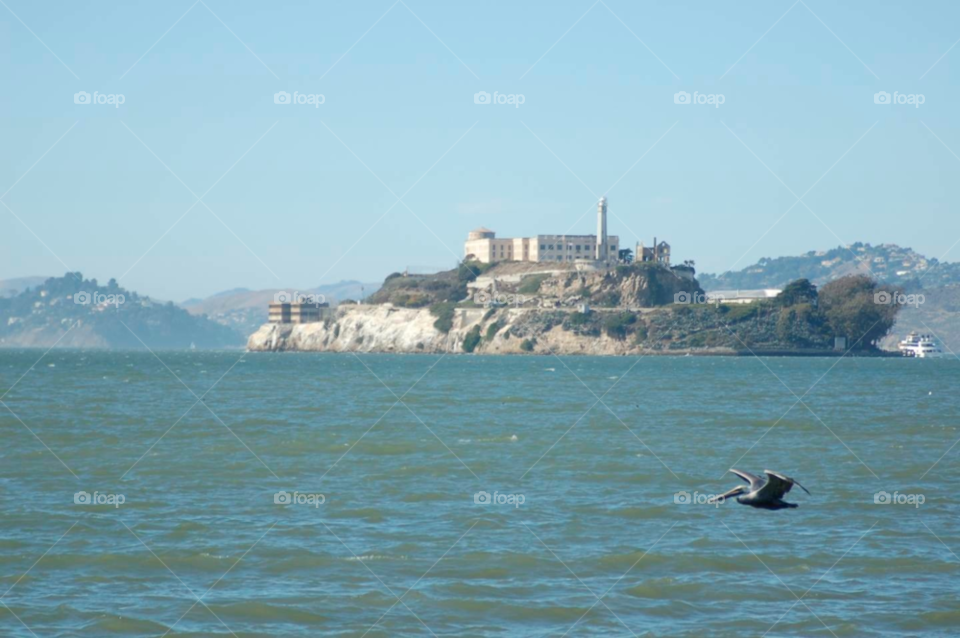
(384, 328)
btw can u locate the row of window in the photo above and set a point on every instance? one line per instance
(571, 247)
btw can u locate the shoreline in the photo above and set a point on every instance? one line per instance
(387, 329)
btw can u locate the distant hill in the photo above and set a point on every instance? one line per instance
(887, 262)
(13, 287)
(246, 310)
(74, 312)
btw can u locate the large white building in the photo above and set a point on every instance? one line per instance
(482, 245)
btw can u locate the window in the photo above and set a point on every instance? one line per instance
(578, 247)
(559, 257)
(543, 246)
(550, 246)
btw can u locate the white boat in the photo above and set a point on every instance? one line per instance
(920, 346)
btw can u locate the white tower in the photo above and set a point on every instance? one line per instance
(602, 230)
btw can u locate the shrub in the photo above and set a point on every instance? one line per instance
(492, 330)
(641, 333)
(531, 285)
(741, 312)
(527, 345)
(444, 312)
(405, 300)
(580, 323)
(472, 340)
(578, 319)
(619, 324)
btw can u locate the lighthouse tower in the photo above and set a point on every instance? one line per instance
(602, 231)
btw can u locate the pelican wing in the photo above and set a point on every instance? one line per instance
(777, 485)
(754, 480)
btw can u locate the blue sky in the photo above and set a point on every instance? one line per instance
(297, 195)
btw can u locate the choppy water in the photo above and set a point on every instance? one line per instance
(598, 480)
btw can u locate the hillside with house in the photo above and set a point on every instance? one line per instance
(888, 263)
(71, 311)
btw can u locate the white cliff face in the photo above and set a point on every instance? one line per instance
(384, 328)
(381, 328)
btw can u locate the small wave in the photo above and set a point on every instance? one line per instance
(124, 626)
(372, 557)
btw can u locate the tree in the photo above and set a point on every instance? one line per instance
(853, 310)
(797, 292)
(625, 255)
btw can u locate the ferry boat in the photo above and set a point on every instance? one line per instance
(920, 346)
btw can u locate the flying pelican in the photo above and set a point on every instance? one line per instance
(763, 493)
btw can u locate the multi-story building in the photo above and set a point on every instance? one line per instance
(482, 245)
(297, 312)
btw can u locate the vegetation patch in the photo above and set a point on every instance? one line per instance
(444, 312)
(618, 325)
(582, 323)
(472, 340)
(531, 285)
(527, 345)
